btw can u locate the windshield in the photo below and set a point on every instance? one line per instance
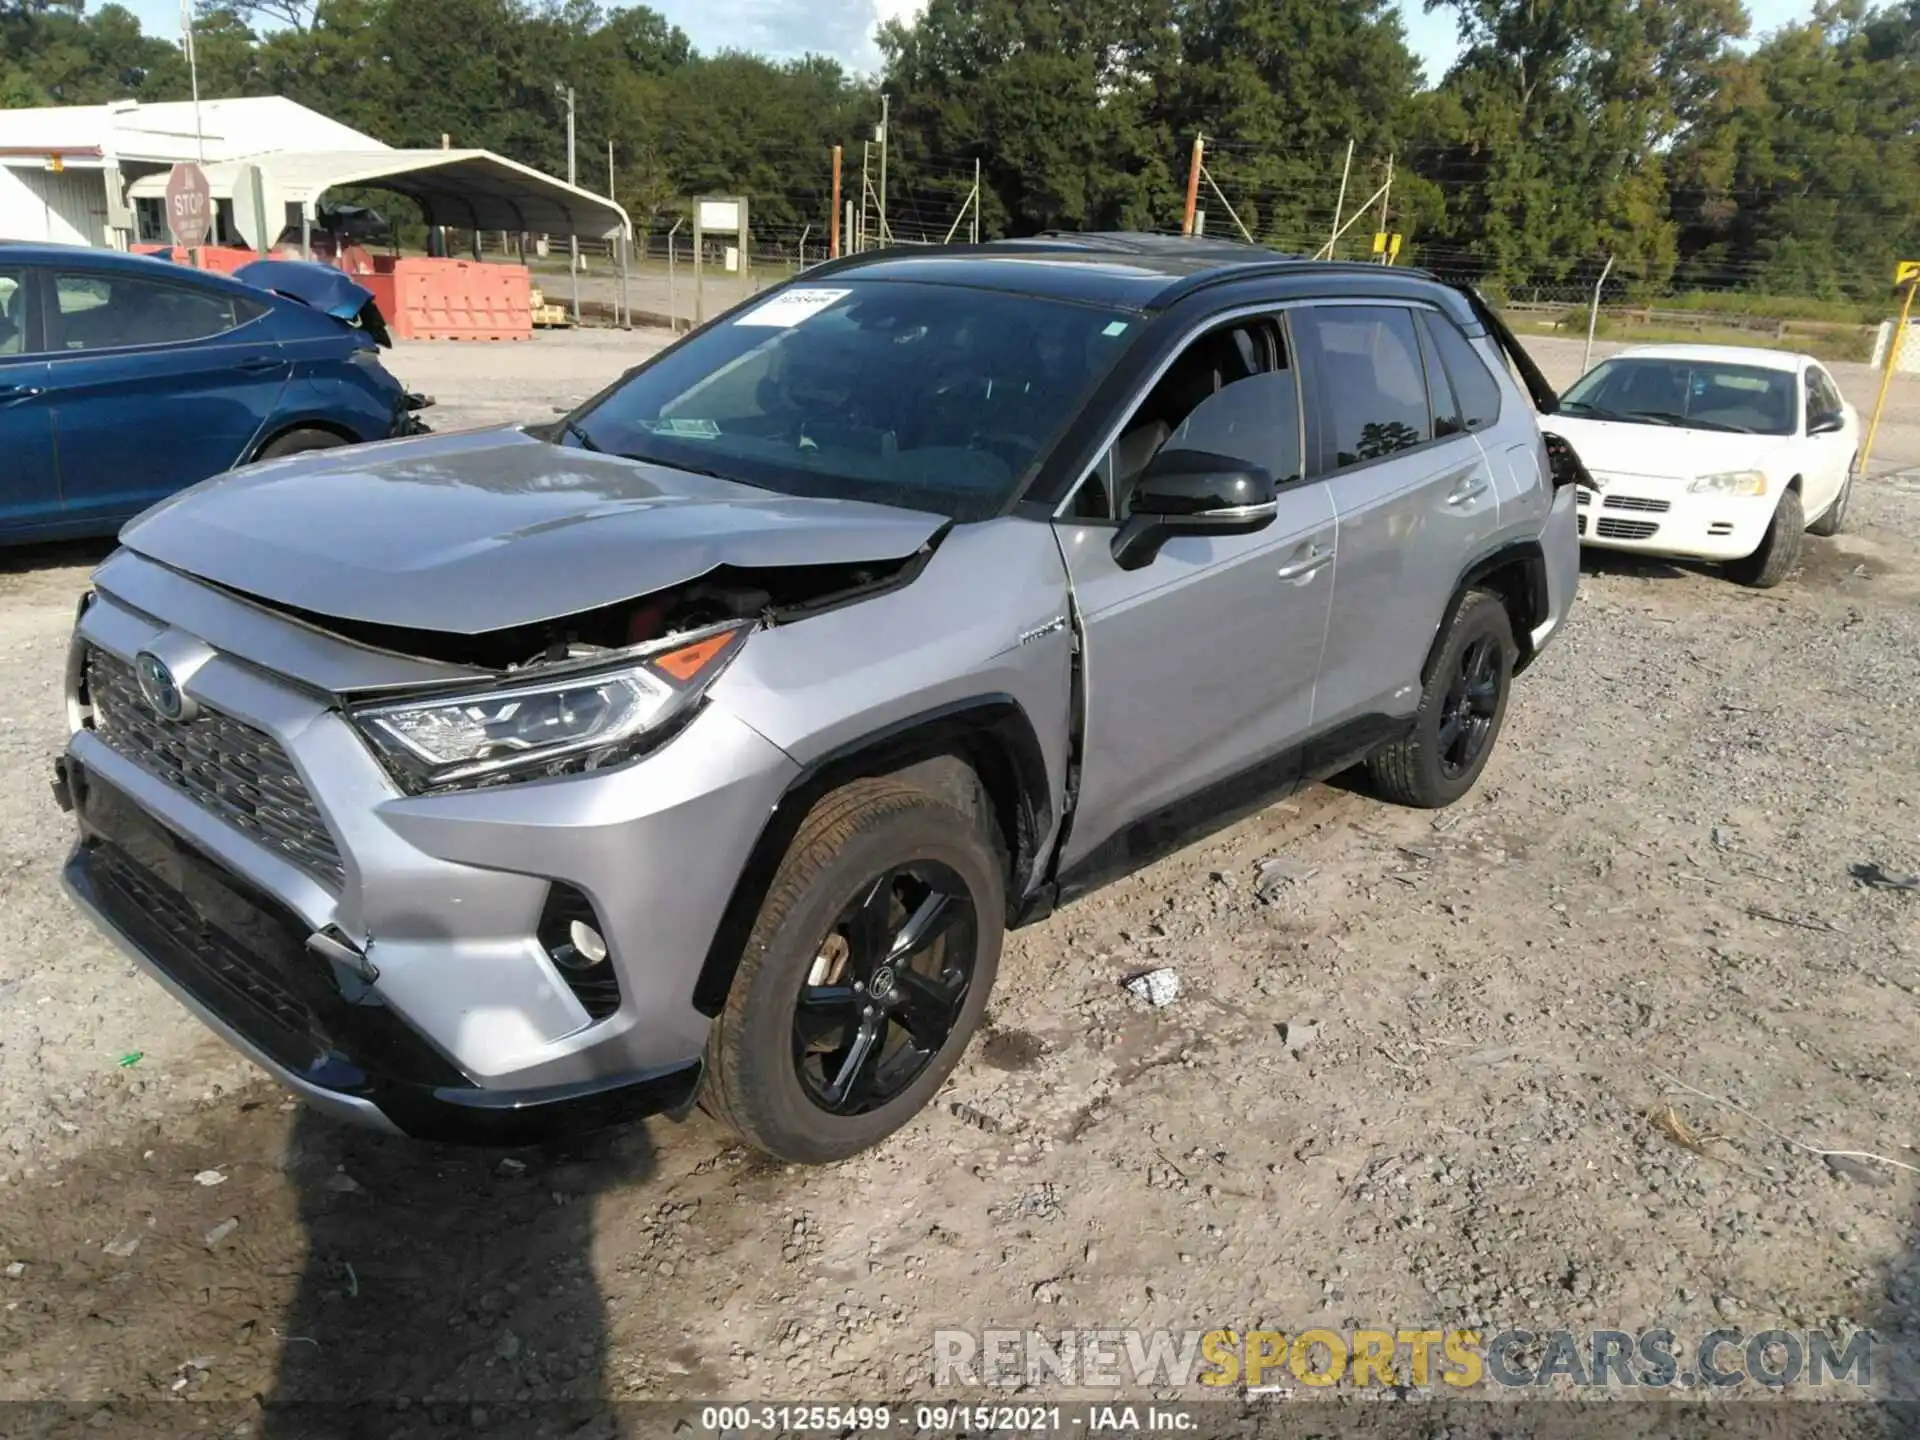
(929, 397)
(1695, 394)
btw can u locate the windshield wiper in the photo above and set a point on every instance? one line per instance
(1599, 412)
(586, 441)
(1689, 422)
(680, 465)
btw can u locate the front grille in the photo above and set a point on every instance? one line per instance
(1634, 502)
(1611, 529)
(231, 769)
(231, 968)
(1583, 523)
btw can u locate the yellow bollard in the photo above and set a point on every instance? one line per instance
(1886, 378)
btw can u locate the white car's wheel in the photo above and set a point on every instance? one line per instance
(1779, 551)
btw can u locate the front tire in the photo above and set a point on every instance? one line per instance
(1779, 551)
(866, 973)
(300, 442)
(1460, 714)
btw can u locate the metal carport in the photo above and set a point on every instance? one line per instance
(466, 189)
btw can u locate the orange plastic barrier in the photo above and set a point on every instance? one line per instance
(422, 299)
(220, 259)
(452, 299)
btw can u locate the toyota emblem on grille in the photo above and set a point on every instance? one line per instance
(159, 688)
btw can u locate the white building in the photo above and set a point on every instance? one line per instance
(60, 166)
(95, 174)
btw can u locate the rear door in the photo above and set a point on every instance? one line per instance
(1199, 666)
(29, 486)
(1415, 504)
(156, 383)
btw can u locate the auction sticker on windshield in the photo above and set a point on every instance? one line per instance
(790, 307)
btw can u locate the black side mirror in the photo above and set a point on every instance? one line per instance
(1564, 464)
(1193, 492)
(1826, 424)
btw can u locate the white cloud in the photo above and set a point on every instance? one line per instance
(785, 29)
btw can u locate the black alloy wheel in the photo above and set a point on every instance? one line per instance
(1472, 706)
(886, 989)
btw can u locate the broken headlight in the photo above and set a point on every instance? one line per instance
(559, 726)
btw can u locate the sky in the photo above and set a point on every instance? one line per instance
(844, 28)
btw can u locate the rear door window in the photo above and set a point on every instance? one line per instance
(104, 311)
(1372, 383)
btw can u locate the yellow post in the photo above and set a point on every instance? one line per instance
(1886, 378)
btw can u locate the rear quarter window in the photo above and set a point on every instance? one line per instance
(1474, 387)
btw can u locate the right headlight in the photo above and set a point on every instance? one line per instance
(568, 723)
(1730, 482)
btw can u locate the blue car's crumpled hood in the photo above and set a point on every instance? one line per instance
(482, 530)
(320, 286)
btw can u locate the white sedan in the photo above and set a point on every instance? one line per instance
(1713, 451)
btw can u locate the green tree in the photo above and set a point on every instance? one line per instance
(1804, 178)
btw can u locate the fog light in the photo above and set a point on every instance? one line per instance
(588, 944)
(575, 941)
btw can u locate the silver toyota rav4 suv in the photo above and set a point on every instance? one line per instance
(703, 745)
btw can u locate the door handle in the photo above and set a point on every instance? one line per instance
(1472, 489)
(19, 392)
(259, 364)
(1306, 564)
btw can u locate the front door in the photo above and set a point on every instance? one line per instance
(1198, 668)
(156, 384)
(1831, 442)
(1416, 503)
(29, 485)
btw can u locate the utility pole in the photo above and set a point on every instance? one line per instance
(833, 223)
(610, 194)
(573, 240)
(1386, 193)
(886, 235)
(193, 70)
(976, 201)
(1194, 163)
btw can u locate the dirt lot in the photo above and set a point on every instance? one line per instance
(1647, 902)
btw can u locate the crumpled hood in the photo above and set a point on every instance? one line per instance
(481, 530)
(1612, 447)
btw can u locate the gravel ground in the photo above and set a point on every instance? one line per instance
(1413, 1078)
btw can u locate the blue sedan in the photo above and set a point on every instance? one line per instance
(124, 379)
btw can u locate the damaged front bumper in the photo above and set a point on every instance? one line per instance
(245, 966)
(413, 983)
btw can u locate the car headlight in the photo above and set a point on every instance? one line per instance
(1730, 482)
(558, 726)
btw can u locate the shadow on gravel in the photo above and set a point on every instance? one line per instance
(1641, 567)
(55, 554)
(446, 1290)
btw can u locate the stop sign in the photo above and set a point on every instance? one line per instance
(189, 206)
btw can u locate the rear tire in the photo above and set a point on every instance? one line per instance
(1779, 552)
(300, 442)
(829, 961)
(1835, 519)
(1460, 714)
